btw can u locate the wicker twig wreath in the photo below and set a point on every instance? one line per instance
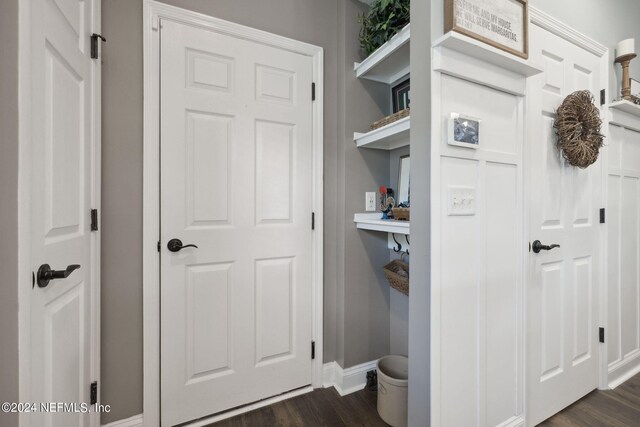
(578, 128)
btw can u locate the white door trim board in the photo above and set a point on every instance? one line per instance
(153, 13)
(24, 205)
(347, 380)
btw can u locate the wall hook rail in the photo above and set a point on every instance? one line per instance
(398, 248)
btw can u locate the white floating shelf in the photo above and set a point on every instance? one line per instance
(479, 50)
(389, 62)
(626, 106)
(389, 137)
(372, 221)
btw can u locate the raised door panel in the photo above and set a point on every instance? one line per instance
(209, 147)
(275, 310)
(552, 314)
(209, 326)
(274, 172)
(65, 322)
(582, 321)
(209, 71)
(64, 147)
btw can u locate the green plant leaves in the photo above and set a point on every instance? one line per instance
(384, 19)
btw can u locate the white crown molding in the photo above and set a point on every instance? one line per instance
(559, 28)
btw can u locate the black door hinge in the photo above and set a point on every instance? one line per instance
(93, 393)
(94, 219)
(313, 349)
(602, 216)
(158, 245)
(603, 97)
(313, 220)
(94, 44)
(601, 334)
(313, 91)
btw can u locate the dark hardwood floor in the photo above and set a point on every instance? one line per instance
(325, 407)
(611, 408)
(321, 407)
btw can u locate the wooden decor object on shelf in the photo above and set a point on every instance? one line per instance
(390, 119)
(625, 52)
(401, 214)
(397, 273)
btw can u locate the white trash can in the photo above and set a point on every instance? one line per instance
(393, 374)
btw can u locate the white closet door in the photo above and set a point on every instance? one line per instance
(236, 181)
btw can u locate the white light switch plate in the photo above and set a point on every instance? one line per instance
(462, 201)
(370, 201)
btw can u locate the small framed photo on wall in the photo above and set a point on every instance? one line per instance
(400, 96)
(464, 131)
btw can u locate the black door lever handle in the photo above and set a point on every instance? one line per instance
(175, 245)
(46, 274)
(537, 246)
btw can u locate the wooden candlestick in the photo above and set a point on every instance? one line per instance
(624, 60)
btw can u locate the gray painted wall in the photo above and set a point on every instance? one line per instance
(366, 292)
(356, 312)
(9, 207)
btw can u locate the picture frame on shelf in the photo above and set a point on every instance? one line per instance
(635, 88)
(464, 131)
(404, 183)
(503, 24)
(400, 96)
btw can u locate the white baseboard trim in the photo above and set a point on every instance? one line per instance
(135, 421)
(260, 404)
(513, 422)
(621, 372)
(347, 380)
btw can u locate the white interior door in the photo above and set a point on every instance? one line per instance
(563, 286)
(62, 154)
(236, 181)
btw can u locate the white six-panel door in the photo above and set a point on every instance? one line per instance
(564, 201)
(61, 119)
(236, 181)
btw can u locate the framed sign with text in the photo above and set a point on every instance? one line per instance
(503, 24)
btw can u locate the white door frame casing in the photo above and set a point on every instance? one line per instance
(25, 267)
(153, 13)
